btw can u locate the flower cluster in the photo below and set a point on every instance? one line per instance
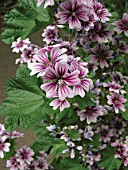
(24, 159)
(6, 139)
(82, 66)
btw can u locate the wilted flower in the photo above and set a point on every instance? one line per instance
(91, 113)
(122, 25)
(117, 101)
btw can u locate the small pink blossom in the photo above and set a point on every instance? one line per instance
(73, 13)
(51, 34)
(100, 13)
(117, 101)
(16, 134)
(44, 61)
(20, 45)
(60, 81)
(47, 3)
(122, 25)
(4, 146)
(60, 103)
(13, 164)
(105, 133)
(24, 155)
(91, 113)
(101, 53)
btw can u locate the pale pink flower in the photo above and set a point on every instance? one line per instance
(60, 81)
(120, 151)
(113, 86)
(13, 164)
(24, 155)
(73, 13)
(51, 34)
(101, 53)
(47, 3)
(20, 45)
(44, 61)
(42, 164)
(85, 83)
(16, 134)
(60, 103)
(100, 13)
(117, 101)
(2, 128)
(4, 146)
(105, 133)
(91, 113)
(122, 25)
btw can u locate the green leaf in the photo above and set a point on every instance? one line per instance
(24, 20)
(44, 139)
(69, 164)
(58, 146)
(11, 122)
(24, 102)
(111, 163)
(108, 161)
(86, 101)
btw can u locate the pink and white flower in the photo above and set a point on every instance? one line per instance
(51, 34)
(24, 155)
(60, 103)
(101, 53)
(117, 101)
(120, 149)
(91, 113)
(85, 83)
(100, 13)
(47, 3)
(4, 146)
(42, 164)
(60, 80)
(73, 13)
(99, 33)
(20, 45)
(122, 25)
(105, 133)
(16, 134)
(13, 164)
(113, 86)
(44, 61)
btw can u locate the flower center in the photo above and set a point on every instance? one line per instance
(60, 81)
(73, 14)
